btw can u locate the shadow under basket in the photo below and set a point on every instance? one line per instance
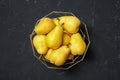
(70, 63)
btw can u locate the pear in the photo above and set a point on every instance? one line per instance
(77, 44)
(54, 38)
(71, 57)
(39, 43)
(66, 39)
(56, 21)
(59, 56)
(48, 55)
(70, 34)
(44, 26)
(70, 23)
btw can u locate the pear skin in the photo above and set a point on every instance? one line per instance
(39, 43)
(44, 26)
(60, 55)
(77, 44)
(48, 55)
(54, 38)
(70, 23)
(66, 39)
(56, 21)
(71, 57)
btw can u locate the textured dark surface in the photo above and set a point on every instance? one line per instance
(17, 19)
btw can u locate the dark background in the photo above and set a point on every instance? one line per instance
(17, 20)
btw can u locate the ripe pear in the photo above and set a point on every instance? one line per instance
(48, 55)
(39, 43)
(70, 34)
(44, 26)
(71, 57)
(54, 38)
(77, 44)
(70, 23)
(59, 56)
(66, 39)
(56, 21)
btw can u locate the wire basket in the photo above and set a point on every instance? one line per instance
(83, 31)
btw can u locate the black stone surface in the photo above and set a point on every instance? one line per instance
(17, 19)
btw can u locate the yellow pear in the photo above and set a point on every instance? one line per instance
(44, 26)
(54, 38)
(39, 43)
(59, 56)
(66, 39)
(56, 21)
(70, 23)
(71, 57)
(48, 55)
(77, 44)
(67, 33)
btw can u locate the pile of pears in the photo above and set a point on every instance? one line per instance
(58, 39)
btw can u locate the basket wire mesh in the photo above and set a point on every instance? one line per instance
(83, 31)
